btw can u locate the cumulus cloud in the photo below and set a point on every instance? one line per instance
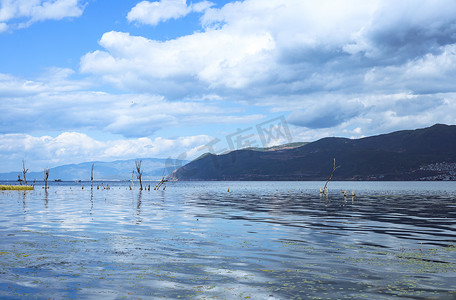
(22, 13)
(326, 114)
(405, 30)
(12, 86)
(152, 13)
(430, 73)
(336, 67)
(74, 147)
(363, 115)
(58, 103)
(254, 50)
(187, 65)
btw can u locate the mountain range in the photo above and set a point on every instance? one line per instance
(154, 168)
(421, 154)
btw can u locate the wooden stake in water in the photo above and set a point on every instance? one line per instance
(91, 178)
(46, 176)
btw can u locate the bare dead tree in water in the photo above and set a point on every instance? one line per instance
(139, 173)
(160, 183)
(46, 176)
(24, 171)
(325, 189)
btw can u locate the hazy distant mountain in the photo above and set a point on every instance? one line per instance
(422, 154)
(116, 170)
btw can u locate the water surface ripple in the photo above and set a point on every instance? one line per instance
(260, 240)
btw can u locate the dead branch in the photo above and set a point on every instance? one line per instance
(91, 178)
(160, 183)
(139, 173)
(325, 190)
(24, 171)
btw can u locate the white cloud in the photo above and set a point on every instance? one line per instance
(341, 68)
(332, 64)
(380, 113)
(57, 10)
(22, 13)
(243, 51)
(214, 58)
(12, 86)
(431, 73)
(58, 103)
(257, 49)
(326, 114)
(152, 13)
(405, 30)
(74, 147)
(201, 6)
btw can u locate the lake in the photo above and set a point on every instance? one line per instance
(260, 240)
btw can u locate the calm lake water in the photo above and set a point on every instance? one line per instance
(261, 240)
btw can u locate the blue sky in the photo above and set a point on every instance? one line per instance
(84, 80)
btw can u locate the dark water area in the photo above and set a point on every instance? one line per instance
(260, 240)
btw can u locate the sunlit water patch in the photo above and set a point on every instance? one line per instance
(260, 240)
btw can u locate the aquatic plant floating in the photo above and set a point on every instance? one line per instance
(16, 187)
